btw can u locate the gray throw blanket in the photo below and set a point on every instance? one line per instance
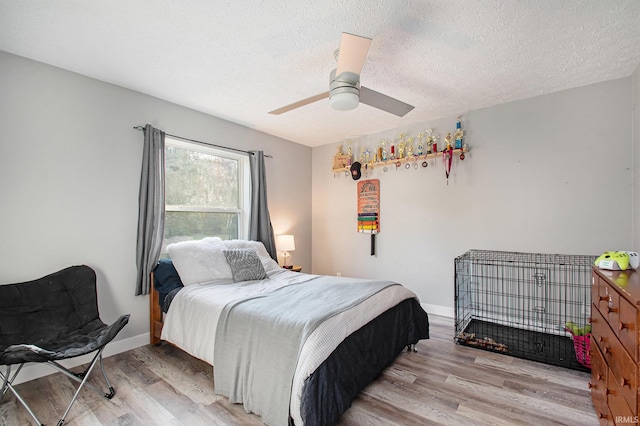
(258, 340)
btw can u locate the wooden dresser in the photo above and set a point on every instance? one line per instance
(615, 308)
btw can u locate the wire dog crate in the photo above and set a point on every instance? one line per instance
(523, 304)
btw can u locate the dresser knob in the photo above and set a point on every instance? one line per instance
(624, 382)
(590, 385)
(600, 339)
(622, 326)
(590, 320)
(602, 415)
(601, 298)
(610, 310)
(607, 350)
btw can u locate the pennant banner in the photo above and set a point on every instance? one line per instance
(369, 206)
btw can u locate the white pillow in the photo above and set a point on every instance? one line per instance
(200, 261)
(267, 262)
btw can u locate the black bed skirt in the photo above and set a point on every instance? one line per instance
(358, 360)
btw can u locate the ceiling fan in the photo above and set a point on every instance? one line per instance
(345, 92)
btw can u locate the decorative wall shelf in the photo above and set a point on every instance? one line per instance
(403, 161)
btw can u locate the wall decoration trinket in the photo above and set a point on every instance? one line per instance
(459, 134)
(401, 145)
(420, 146)
(429, 141)
(409, 147)
(447, 156)
(369, 210)
(401, 150)
(435, 138)
(341, 160)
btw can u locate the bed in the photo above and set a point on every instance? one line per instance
(291, 347)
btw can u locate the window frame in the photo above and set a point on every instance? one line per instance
(244, 183)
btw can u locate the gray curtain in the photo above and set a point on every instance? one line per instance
(151, 207)
(260, 228)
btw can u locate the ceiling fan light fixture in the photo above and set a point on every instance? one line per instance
(344, 101)
(345, 91)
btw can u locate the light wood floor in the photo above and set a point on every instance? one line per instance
(441, 384)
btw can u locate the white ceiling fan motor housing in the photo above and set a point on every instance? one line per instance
(344, 91)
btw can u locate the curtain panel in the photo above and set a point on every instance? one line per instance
(260, 228)
(151, 208)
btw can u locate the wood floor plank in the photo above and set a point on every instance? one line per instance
(232, 414)
(136, 399)
(557, 411)
(194, 383)
(135, 370)
(442, 384)
(529, 371)
(553, 392)
(476, 416)
(9, 413)
(368, 410)
(416, 404)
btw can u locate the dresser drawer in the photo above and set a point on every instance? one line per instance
(598, 384)
(596, 282)
(627, 328)
(611, 310)
(601, 333)
(599, 293)
(615, 398)
(623, 375)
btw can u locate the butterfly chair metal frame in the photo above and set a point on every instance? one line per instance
(71, 293)
(81, 378)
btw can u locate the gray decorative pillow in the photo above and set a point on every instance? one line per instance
(245, 265)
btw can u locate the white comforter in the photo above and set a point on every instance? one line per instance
(193, 317)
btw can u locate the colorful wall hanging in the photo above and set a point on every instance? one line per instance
(369, 209)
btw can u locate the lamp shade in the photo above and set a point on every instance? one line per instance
(286, 243)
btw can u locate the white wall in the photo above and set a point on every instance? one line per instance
(70, 170)
(551, 174)
(635, 99)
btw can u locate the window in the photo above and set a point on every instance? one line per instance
(206, 193)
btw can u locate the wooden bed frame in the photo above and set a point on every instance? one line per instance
(155, 315)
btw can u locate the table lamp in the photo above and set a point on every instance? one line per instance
(286, 244)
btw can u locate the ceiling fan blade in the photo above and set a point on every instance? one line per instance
(353, 53)
(384, 102)
(300, 103)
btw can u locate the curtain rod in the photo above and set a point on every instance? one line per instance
(141, 128)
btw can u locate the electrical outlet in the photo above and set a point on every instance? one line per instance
(338, 274)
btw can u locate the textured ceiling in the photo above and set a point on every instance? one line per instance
(239, 59)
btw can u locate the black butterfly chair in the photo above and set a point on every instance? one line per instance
(50, 319)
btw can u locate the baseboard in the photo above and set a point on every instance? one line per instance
(33, 371)
(438, 310)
